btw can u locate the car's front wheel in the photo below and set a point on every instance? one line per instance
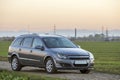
(50, 66)
(15, 64)
(86, 71)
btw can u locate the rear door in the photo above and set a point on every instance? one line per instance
(25, 51)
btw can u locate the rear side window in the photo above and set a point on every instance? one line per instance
(17, 42)
(27, 42)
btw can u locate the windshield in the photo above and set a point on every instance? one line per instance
(58, 42)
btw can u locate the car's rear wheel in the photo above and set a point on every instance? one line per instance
(15, 64)
(86, 71)
(50, 66)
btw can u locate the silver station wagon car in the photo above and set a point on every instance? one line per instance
(51, 52)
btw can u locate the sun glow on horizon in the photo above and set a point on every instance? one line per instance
(66, 14)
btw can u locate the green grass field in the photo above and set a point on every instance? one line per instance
(4, 48)
(107, 54)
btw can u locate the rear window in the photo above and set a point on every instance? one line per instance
(17, 42)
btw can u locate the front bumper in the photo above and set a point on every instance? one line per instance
(70, 64)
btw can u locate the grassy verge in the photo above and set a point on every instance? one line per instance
(2, 58)
(4, 48)
(108, 66)
(10, 75)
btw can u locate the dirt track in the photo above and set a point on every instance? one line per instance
(70, 75)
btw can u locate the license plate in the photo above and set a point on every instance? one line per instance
(80, 62)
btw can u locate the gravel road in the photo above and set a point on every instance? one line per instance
(70, 75)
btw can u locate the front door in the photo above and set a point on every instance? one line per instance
(37, 54)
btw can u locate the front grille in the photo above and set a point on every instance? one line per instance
(80, 65)
(78, 57)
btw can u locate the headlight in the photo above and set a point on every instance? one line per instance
(61, 56)
(91, 57)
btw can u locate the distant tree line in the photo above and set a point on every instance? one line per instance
(7, 38)
(96, 37)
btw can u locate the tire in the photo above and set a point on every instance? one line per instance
(50, 66)
(85, 71)
(15, 64)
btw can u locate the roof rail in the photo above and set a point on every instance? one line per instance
(47, 34)
(59, 35)
(33, 34)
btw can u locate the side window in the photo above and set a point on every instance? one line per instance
(27, 42)
(37, 42)
(17, 42)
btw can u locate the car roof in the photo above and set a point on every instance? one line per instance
(40, 35)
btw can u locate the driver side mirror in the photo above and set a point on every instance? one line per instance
(78, 46)
(40, 47)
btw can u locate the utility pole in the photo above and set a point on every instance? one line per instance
(107, 34)
(75, 33)
(102, 30)
(54, 29)
(102, 34)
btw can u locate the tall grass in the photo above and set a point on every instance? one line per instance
(10, 75)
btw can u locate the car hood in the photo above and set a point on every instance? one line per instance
(70, 51)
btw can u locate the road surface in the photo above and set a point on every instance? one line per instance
(70, 75)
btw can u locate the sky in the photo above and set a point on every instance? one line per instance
(41, 15)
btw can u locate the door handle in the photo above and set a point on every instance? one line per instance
(31, 51)
(19, 49)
